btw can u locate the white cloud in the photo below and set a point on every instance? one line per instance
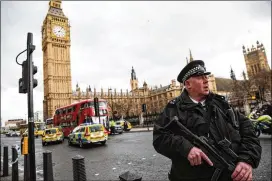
(108, 38)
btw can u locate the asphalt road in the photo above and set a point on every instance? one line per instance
(127, 152)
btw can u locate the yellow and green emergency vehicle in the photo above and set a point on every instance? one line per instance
(88, 133)
(52, 135)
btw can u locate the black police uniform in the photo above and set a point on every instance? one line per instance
(212, 122)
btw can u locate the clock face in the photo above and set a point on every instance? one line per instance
(59, 31)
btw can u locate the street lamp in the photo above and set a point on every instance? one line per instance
(111, 103)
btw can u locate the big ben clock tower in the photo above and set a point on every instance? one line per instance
(56, 59)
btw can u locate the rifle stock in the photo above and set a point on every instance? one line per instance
(222, 159)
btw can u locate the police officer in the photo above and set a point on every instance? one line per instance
(112, 126)
(205, 114)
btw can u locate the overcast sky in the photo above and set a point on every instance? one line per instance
(108, 38)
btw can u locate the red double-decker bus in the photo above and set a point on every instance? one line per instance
(68, 117)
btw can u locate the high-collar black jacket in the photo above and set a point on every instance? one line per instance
(210, 120)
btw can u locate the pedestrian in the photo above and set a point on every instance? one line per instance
(125, 125)
(205, 114)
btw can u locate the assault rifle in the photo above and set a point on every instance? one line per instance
(220, 154)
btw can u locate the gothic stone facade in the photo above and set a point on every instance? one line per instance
(154, 97)
(56, 59)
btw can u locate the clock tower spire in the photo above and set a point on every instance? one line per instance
(55, 4)
(56, 59)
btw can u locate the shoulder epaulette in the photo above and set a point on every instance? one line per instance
(220, 97)
(173, 102)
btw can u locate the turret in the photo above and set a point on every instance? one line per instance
(133, 74)
(102, 92)
(244, 49)
(255, 59)
(232, 74)
(173, 82)
(191, 56)
(133, 80)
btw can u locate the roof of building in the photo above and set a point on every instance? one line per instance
(223, 84)
(164, 88)
(56, 12)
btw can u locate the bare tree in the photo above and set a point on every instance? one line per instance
(123, 108)
(262, 82)
(242, 90)
(247, 88)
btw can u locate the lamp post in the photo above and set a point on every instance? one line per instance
(111, 103)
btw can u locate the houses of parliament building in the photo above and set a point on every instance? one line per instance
(58, 91)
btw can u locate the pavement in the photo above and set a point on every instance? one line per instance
(140, 129)
(39, 176)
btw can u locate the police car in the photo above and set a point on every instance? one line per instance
(88, 133)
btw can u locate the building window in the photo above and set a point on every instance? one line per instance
(256, 70)
(252, 69)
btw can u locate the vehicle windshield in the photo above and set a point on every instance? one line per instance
(40, 126)
(103, 104)
(50, 131)
(95, 128)
(49, 121)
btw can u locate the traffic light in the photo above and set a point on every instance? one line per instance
(23, 82)
(96, 106)
(30, 50)
(28, 69)
(35, 70)
(143, 107)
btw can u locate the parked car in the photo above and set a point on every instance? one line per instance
(13, 134)
(122, 124)
(88, 133)
(52, 135)
(36, 133)
(116, 129)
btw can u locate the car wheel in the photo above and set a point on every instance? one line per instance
(103, 142)
(258, 133)
(121, 132)
(69, 142)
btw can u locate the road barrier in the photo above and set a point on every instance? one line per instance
(15, 173)
(47, 166)
(129, 176)
(0, 156)
(79, 168)
(79, 171)
(5, 162)
(26, 168)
